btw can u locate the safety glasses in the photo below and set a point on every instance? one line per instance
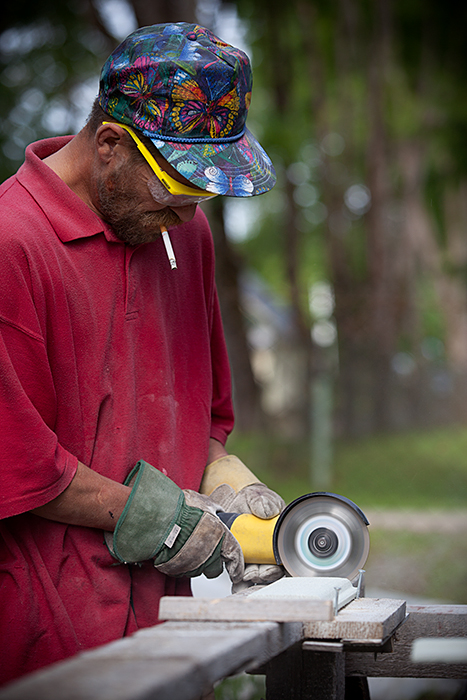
(171, 191)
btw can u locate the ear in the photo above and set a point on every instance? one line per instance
(111, 142)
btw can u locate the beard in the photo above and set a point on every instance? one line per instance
(118, 206)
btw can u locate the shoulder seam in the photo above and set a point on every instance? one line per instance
(10, 185)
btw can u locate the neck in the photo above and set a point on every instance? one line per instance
(72, 165)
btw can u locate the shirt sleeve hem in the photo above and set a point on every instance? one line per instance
(219, 434)
(26, 503)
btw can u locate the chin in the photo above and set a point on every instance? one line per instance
(144, 228)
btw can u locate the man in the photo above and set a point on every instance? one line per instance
(114, 378)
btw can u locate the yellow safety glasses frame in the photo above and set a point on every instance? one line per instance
(173, 186)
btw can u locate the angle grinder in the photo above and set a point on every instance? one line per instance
(319, 534)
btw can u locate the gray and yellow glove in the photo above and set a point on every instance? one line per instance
(230, 483)
(178, 529)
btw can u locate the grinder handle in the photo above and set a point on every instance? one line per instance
(254, 535)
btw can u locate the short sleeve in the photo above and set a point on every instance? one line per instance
(34, 468)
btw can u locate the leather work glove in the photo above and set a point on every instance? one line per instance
(178, 529)
(236, 489)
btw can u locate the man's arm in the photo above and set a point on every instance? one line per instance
(216, 450)
(91, 500)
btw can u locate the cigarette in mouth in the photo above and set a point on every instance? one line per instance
(168, 248)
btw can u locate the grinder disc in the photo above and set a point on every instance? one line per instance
(322, 534)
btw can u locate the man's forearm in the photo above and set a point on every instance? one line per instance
(91, 500)
(216, 450)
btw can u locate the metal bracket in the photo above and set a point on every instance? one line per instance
(386, 646)
(318, 645)
(361, 583)
(336, 600)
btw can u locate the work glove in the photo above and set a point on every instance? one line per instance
(178, 529)
(236, 489)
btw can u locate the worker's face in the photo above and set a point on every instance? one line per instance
(126, 204)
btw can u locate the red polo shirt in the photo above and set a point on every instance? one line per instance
(107, 356)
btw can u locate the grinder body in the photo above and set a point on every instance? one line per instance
(318, 534)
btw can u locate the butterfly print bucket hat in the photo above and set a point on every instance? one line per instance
(189, 93)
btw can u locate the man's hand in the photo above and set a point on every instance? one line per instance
(237, 490)
(179, 530)
(93, 500)
(247, 494)
(257, 499)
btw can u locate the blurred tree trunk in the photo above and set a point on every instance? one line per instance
(455, 202)
(347, 294)
(249, 415)
(446, 269)
(367, 303)
(382, 258)
(279, 57)
(455, 206)
(159, 11)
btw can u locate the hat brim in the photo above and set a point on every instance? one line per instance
(237, 169)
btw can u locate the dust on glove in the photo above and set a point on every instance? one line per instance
(258, 574)
(179, 530)
(247, 493)
(237, 490)
(257, 499)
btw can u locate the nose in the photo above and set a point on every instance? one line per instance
(185, 213)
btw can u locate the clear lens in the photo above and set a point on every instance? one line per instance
(163, 196)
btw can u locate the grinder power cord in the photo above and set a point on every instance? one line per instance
(178, 529)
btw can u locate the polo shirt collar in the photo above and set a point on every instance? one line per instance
(69, 216)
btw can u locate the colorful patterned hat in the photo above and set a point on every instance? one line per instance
(189, 92)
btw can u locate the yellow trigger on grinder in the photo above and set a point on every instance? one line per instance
(255, 537)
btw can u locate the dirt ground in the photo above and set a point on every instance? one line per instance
(442, 522)
(420, 554)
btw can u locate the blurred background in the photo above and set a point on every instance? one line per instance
(344, 289)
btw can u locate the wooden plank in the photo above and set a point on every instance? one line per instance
(366, 620)
(182, 659)
(303, 588)
(172, 660)
(245, 608)
(439, 621)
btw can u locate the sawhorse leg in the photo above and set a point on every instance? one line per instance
(306, 675)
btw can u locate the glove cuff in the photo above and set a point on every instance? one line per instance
(227, 470)
(142, 529)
